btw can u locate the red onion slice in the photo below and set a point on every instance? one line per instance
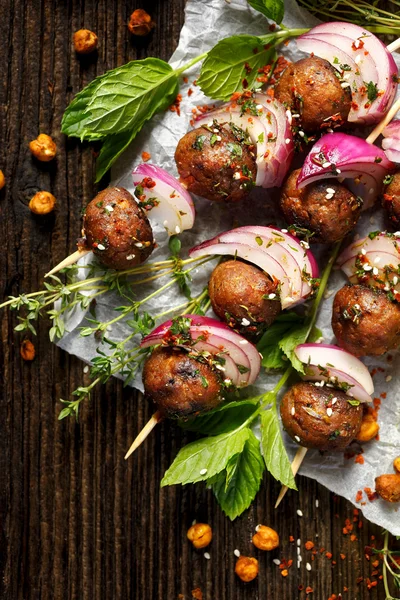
(391, 141)
(369, 61)
(170, 203)
(344, 156)
(243, 361)
(336, 378)
(269, 131)
(382, 243)
(330, 356)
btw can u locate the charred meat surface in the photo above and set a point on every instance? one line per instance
(217, 162)
(311, 88)
(117, 229)
(326, 208)
(180, 385)
(391, 200)
(364, 321)
(320, 417)
(244, 297)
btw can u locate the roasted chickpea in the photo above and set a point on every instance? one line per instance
(200, 534)
(396, 464)
(85, 41)
(2, 180)
(388, 487)
(27, 350)
(369, 429)
(140, 22)
(246, 568)
(43, 148)
(265, 538)
(42, 203)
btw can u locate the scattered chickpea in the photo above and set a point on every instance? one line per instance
(42, 203)
(27, 350)
(200, 535)
(246, 568)
(2, 180)
(140, 22)
(85, 41)
(369, 429)
(388, 487)
(43, 148)
(396, 464)
(266, 538)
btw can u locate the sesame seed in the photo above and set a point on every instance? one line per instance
(308, 567)
(194, 522)
(165, 223)
(276, 561)
(236, 175)
(386, 288)
(301, 134)
(334, 400)
(330, 190)
(243, 342)
(216, 130)
(299, 512)
(258, 527)
(210, 124)
(227, 381)
(298, 550)
(139, 245)
(287, 141)
(130, 257)
(245, 322)
(316, 503)
(109, 208)
(329, 130)
(177, 229)
(236, 552)
(326, 165)
(395, 280)
(357, 58)
(220, 367)
(284, 230)
(299, 558)
(86, 369)
(298, 542)
(397, 234)
(338, 171)
(377, 259)
(329, 196)
(271, 296)
(207, 555)
(218, 138)
(375, 271)
(371, 190)
(100, 247)
(259, 106)
(296, 437)
(293, 411)
(329, 412)
(295, 115)
(388, 378)
(363, 251)
(345, 84)
(367, 268)
(203, 471)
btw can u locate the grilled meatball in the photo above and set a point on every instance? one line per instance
(217, 164)
(326, 208)
(239, 296)
(311, 88)
(305, 417)
(117, 229)
(180, 385)
(391, 200)
(364, 321)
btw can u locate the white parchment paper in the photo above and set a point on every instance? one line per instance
(206, 22)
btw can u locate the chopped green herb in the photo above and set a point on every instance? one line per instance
(199, 142)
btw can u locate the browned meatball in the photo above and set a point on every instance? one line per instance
(364, 321)
(306, 418)
(117, 229)
(391, 200)
(327, 208)
(180, 385)
(239, 296)
(311, 87)
(216, 164)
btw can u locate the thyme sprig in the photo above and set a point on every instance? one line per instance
(391, 566)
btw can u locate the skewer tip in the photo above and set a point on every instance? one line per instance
(147, 429)
(69, 260)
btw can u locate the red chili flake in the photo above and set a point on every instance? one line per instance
(272, 27)
(353, 538)
(190, 91)
(359, 495)
(354, 105)
(247, 68)
(370, 494)
(245, 83)
(371, 584)
(291, 538)
(195, 82)
(375, 563)
(328, 555)
(374, 573)
(146, 156)
(359, 579)
(357, 44)
(309, 545)
(342, 556)
(359, 459)
(360, 524)
(334, 562)
(148, 183)
(345, 589)
(185, 79)
(309, 590)
(383, 395)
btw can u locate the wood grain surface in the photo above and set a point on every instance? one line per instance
(78, 522)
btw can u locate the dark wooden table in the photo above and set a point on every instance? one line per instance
(76, 520)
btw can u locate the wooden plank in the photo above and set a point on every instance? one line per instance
(77, 521)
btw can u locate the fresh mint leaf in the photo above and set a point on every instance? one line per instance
(273, 356)
(204, 458)
(273, 449)
(236, 487)
(222, 419)
(74, 120)
(272, 9)
(232, 65)
(288, 343)
(130, 95)
(113, 146)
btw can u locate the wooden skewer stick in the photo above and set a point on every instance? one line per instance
(70, 260)
(381, 126)
(147, 429)
(298, 459)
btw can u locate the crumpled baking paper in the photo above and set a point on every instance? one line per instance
(206, 22)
